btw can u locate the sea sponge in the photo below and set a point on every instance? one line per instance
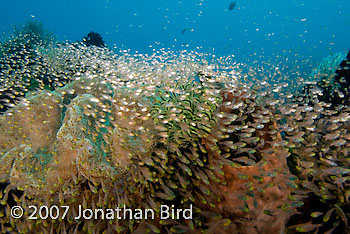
(29, 119)
(255, 193)
(29, 148)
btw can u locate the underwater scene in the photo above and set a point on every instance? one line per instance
(183, 116)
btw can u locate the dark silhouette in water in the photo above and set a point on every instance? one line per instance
(334, 90)
(342, 81)
(232, 6)
(344, 72)
(95, 39)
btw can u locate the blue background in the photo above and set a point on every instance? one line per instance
(256, 30)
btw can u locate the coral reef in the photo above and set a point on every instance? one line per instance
(161, 139)
(328, 66)
(261, 208)
(322, 163)
(99, 130)
(20, 64)
(320, 152)
(330, 77)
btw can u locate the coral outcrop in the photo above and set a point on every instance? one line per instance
(98, 130)
(94, 39)
(109, 141)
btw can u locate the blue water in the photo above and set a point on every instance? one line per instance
(288, 37)
(303, 31)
